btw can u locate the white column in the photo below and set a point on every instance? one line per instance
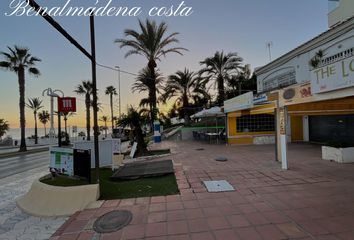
(305, 124)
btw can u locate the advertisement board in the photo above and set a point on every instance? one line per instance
(244, 101)
(334, 76)
(61, 160)
(67, 104)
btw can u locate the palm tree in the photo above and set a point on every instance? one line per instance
(35, 104)
(4, 127)
(105, 120)
(134, 120)
(18, 60)
(44, 118)
(236, 82)
(146, 82)
(66, 116)
(218, 69)
(152, 43)
(183, 85)
(85, 88)
(111, 91)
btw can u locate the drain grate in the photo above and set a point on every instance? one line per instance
(218, 186)
(112, 221)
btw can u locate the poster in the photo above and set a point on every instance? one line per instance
(61, 160)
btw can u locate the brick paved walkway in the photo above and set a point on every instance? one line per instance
(312, 200)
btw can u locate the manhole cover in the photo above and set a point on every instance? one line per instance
(112, 221)
(218, 186)
(200, 149)
(221, 159)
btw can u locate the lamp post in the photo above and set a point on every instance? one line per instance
(119, 90)
(52, 94)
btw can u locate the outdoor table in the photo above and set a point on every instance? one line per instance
(210, 135)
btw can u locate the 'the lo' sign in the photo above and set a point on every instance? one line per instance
(67, 104)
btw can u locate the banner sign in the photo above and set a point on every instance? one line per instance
(61, 160)
(333, 76)
(244, 101)
(67, 104)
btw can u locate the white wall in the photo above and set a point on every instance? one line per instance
(344, 11)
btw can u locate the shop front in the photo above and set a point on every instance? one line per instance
(250, 120)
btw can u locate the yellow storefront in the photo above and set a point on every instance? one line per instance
(248, 123)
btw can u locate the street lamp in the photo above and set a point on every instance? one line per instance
(119, 90)
(52, 94)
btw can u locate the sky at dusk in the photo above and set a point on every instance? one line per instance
(242, 26)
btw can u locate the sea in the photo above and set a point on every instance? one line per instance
(15, 133)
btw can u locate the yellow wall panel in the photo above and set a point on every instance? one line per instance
(297, 133)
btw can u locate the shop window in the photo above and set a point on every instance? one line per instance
(255, 123)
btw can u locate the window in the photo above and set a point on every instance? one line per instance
(255, 123)
(281, 80)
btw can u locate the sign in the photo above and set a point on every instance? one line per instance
(116, 146)
(260, 98)
(282, 123)
(296, 95)
(67, 104)
(244, 101)
(82, 163)
(61, 160)
(333, 76)
(133, 150)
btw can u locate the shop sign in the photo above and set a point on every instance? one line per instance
(260, 98)
(244, 101)
(296, 94)
(66, 104)
(282, 123)
(333, 76)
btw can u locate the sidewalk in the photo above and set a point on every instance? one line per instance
(312, 200)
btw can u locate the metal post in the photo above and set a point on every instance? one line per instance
(51, 132)
(119, 92)
(94, 93)
(59, 129)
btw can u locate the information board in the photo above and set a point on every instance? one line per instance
(61, 160)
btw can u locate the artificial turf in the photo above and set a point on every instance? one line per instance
(142, 187)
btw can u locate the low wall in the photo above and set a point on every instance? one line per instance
(47, 201)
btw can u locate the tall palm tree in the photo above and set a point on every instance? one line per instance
(236, 82)
(18, 60)
(66, 116)
(111, 91)
(35, 104)
(150, 82)
(218, 69)
(152, 43)
(85, 88)
(184, 85)
(104, 119)
(44, 118)
(135, 121)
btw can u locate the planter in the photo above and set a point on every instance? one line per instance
(48, 201)
(340, 155)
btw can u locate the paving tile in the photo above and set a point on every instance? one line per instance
(256, 218)
(212, 212)
(85, 235)
(69, 236)
(270, 232)
(216, 223)
(275, 217)
(198, 225)
(134, 232)
(177, 227)
(292, 230)
(225, 234)
(176, 215)
(238, 221)
(202, 236)
(157, 217)
(160, 199)
(179, 237)
(76, 226)
(155, 229)
(248, 233)
(174, 206)
(194, 213)
(111, 236)
(157, 207)
(190, 204)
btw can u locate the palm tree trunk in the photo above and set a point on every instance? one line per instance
(185, 108)
(21, 83)
(221, 91)
(239, 88)
(45, 130)
(35, 128)
(88, 117)
(152, 65)
(111, 102)
(105, 128)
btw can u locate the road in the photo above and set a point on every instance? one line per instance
(12, 165)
